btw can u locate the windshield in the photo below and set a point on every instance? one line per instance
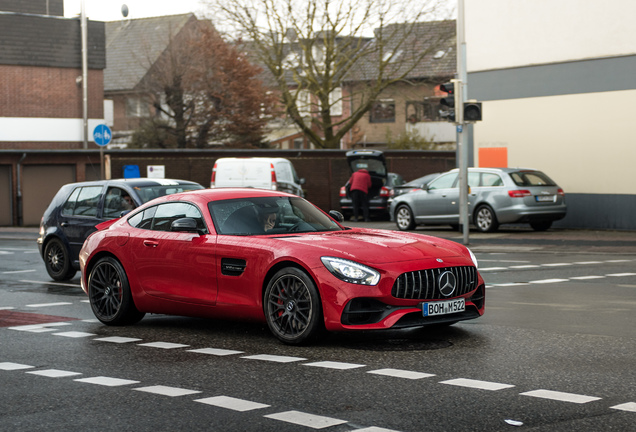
(269, 215)
(147, 193)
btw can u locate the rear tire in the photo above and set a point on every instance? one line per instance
(109, 294)
(57, 261)
(404, 218)
(485, 219)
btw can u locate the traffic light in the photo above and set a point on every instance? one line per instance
(448, 101)
(472, 111)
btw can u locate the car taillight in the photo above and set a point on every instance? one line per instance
(343, 192)
(274, 186)
(560, 192)
(519, 193)
(213, 179)
(384, 192)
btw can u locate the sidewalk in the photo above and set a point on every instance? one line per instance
(507, 239)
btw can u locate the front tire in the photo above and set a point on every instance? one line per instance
(485, 219)
(109, 294)
(57, 261)
(404, 218)
(292, 306)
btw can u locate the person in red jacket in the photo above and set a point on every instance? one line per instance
(359, 185)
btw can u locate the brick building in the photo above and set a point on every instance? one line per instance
(41, 99)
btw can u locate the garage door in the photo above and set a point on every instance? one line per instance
(40, 183)
(6, 206)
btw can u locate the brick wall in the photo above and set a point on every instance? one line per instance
(32, 91)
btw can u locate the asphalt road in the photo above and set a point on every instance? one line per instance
(554, 352)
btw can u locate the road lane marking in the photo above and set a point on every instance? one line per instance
(107, 381)
(215, 351)
(334, 365)
(548, 281)
(8, 366)
(231, 403)
(556, 264)
(74, 334)
(274, 358)
(118, 339)
(54, 373)
(163, 345)
(587, 277)
(560, 396)
(629, 406)
(40, 328)
(482, 385)
(621, 274)
(52, 283)
(49, 304)
(18, 271)
(166, 391)
(398, 373)
(305, 419)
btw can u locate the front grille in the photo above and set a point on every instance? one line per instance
(424, 284)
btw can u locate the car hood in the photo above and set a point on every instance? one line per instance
(378, 246)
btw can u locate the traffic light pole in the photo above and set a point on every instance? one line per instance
(462, 141)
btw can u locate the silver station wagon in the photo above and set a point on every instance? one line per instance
(496, 196)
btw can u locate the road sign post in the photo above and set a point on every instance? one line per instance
(102, 136)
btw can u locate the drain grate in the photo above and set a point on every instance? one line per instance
(14, 319)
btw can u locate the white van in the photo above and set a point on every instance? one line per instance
(258, 172)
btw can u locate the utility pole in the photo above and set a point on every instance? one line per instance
(462, 141)
(84, 74)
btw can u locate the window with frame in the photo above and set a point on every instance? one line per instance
(137, 107)
(83, 201)
(426, 111)
(382, 111)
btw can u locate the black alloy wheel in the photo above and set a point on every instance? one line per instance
(292, 306)
(109, 294)
(57, 261)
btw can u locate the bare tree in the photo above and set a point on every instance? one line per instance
(205, 91)
(320, 53)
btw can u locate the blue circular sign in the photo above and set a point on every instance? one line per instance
(102, 135)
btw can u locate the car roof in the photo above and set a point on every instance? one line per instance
(134, 182)
(218, 194)
(506, 170)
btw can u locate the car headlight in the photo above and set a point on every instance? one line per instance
(350, 271)
(473, 257)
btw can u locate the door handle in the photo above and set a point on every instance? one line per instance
(151, 243)
(64, 224)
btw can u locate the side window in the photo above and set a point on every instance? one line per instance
(83, 202)
(170, 212)
(473, 179)
(143, 220)
(444, 182)
(116, 201)
(69, 205)
(490, 179)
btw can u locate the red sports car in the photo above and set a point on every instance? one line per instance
(273, 256)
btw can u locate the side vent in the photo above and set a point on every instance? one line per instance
(232, 266)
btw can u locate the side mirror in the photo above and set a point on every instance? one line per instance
(337, 216)
(425, 187)
(302, 181)
(185, 225)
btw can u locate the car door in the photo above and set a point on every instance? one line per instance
(79, 216)
(436, 204)
(178, 266)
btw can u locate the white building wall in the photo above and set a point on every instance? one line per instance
(557, 82)
(512, 33)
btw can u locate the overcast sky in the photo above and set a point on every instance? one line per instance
(109, 10)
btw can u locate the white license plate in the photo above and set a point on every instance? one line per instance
(545, 198)
(443, 307)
